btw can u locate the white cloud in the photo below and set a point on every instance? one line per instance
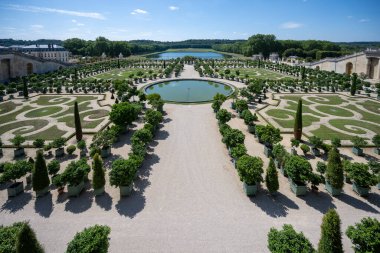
(173, 8)
(139, 11)
(37, 27)
(363, 20)
(77, 23)
(27, 8)
(290, 25)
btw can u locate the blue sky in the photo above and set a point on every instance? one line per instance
(173, 20)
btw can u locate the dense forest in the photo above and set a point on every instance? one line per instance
(259, 43)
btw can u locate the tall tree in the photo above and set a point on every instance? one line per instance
(40, 177)
(354, 84)
(78, 125)
(27, 242)
(271, 178)
(98, 179)
(298, 121)
(334, 171)
(331, 235)
(25, 88)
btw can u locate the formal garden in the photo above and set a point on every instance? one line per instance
(288, 143)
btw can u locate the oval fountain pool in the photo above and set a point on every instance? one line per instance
(189, 91)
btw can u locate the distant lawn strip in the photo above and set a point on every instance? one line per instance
(81, 99)
(36, 124)
(342, 123)
(331, 100)
(82, 107)
(327, 133)
(124, 74)
(260, 73)
(280, 116)
(367, 116)
(7, 107)
(305, 108)
(371, 106)
(12, 116)
(295, 98)
(44, 100)
(95, 114)
(334, 110)
(48, 134)
(45, 111)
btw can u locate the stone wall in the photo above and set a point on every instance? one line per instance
(17, 64)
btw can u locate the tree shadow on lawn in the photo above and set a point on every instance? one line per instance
(17, 203)
(135, 203)
(44, 205)
(356, 203)
(81, 203)
(104, 201)
(320, 201)
(276, 205)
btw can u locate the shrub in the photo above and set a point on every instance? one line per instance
(18, 140)
(153, 117)
(8, 237)
(13, 171)
(142, 135)
(123, 171)
(294, 142)
(305, 148)
(39, 143)
(288, 240)
(216, 105)
(376, 140)
(279, 153)
(90, 240)
(358, 142)
(321, 167)
(40, 177)
(78, 126)
(70, 149)
(331, 235)
(59, 142)
(248, 117)
(298, 169)
(98, 180)
(124, 113)
(27, 242)
(359, 172)
(75, 172)
(241, 105)
(53, 167)
(223, 116)
(334, 172)
(365, 236)
(81, 144)
(238, 151)
(233, 137)
(335, 142)
(270, 135)
(315, 141)
(271, 177)
(250, 169)
(102, 140)
(298, 121)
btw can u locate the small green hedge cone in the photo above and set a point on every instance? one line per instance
(331, 235)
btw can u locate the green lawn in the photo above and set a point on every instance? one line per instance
(280, 116)
(95, 114)
(81, 107)
(327, 133)
(45, 111)
(342, 123)
(371, 106)
(7, 107)
(12, 116)
(335, 111)
(331, 100)
(35, 124)
(367, 116)
(124, 74)
(260, 73)
(295, 99)
(305, 108)
(44, 100)
(48, 134)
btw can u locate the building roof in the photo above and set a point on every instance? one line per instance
(40, 46)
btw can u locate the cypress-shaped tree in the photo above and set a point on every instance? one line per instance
(26, 241)
(25, 88)
(331, 235)
(298, 121)
(271, 177)
(78, 125)
(354, 84)
(334, 171)
(40, 177)
(98, 180)
(303, 73)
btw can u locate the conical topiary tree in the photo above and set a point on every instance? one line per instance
(354, 84)
(98, 180)
(25, 88)
(271, 178)
(298, 121)
(40, 177)
(334, 171)
(27, 242)
(78, 126)
(331, 235)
